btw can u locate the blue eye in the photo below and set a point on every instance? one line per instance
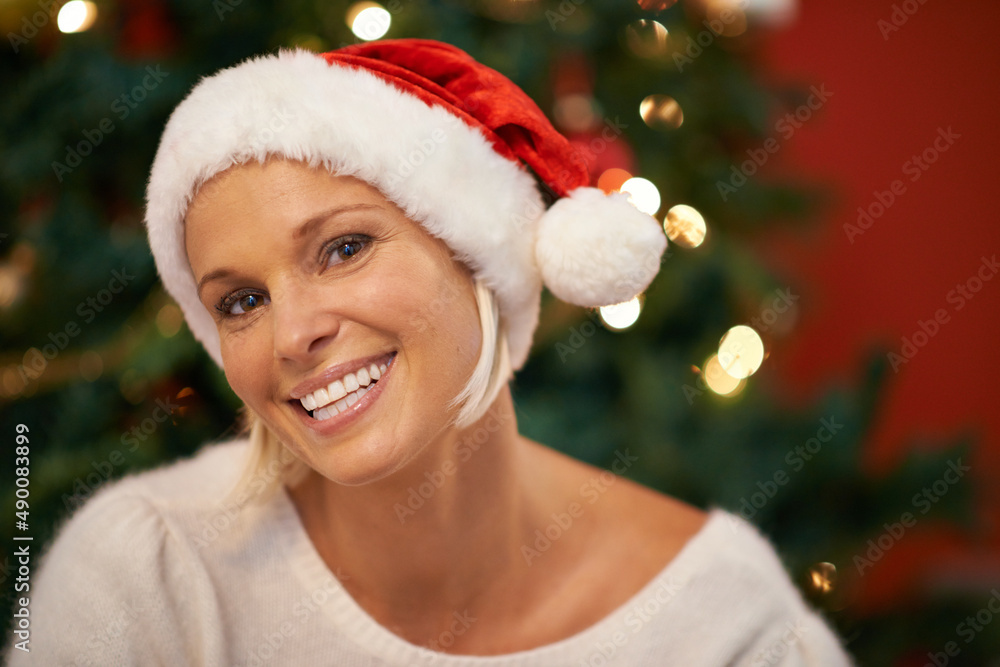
(240, 303)
(346, 248)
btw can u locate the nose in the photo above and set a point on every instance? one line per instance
(303, 326)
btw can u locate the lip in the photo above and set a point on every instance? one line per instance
(353, 412)
(336, 372)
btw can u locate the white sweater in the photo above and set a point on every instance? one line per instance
(154, 570)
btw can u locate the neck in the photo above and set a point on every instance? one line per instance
(439, 533)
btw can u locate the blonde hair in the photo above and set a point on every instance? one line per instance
(271, 464)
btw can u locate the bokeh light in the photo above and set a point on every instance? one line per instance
(741, 351)
(368, 20)
(169, 320)
(646, 38)
(621, 316)
(76, 16)
(661, 112)
(726, 17)
(643, 194)
(685, 226)
(575, 112)
(718, 380)
(823, 577)
(611, 180)
(91, 365)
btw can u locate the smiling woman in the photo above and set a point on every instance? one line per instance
(325, 269)
(368, 275)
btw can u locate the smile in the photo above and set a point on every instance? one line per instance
(344, 391)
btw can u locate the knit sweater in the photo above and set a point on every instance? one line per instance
(155, 570)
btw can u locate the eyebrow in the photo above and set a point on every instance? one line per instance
(304, 229)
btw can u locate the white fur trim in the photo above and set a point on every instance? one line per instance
(595, 249)
(441, 172)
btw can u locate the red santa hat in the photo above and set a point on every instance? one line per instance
(447, 139)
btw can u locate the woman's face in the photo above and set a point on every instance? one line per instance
(317, 284)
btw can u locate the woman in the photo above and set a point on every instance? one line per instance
(357, 240)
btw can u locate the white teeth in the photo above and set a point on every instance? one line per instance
(333, 409)
(338, 395)
(337, 391)
(322, 396)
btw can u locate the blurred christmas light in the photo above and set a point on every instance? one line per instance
(621, 316)
(575, 113)
(188, 398)
(823, 577)
(611, 180)
(91, 365)
(685, 226)
(643, 194)
(12, 382)
(133, 386)
(368, 20)
(655, 5)
(774, 13)
(741, 351)
(718, 380)
(646, 38)
(726, 17)
(661, 112)
(168, 320)
(10, 285)
(76, 16)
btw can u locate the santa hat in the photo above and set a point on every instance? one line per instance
(443, 137)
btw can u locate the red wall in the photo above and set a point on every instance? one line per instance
(890, 96)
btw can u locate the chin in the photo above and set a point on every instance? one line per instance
(357, 463)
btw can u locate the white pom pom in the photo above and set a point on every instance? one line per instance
(595, 249)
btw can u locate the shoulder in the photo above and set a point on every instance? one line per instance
(120, 572)
(719, 585)
(730, 571)
(169, 489)
(207, 475)
(139, 515)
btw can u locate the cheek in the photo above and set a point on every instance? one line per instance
(247, 361)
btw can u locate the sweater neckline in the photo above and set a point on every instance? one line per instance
(378, 641)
